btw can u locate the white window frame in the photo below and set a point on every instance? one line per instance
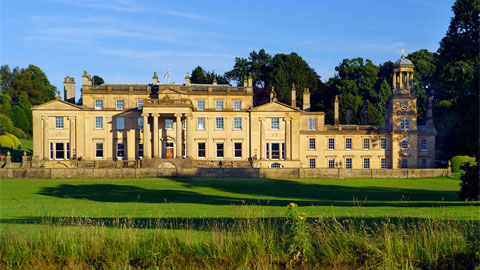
(223, 150)
(201, 123)
(204, 149)
(383, 163)
(404, 144)
(366, 163)
(120, 104)
(219, 105)
(140, 123)
(424, 142)
(120, 123)
(96, 149)
(311, 144)
(348, 163)
(118, 150)
(312, 163)
(139, 104)
(383, 144)
(200, 105)
(314, 123)
(98, 104)
(331, 143)
(169, 123)
(237, 123)
(366, 143)
(219, 123)
(237, 105)
(424, 163)
(309, 124)
(59, 122)
(275, 165)
(98, 122)
(348, 144)
(331, 163)
(235, 150)
(275, 123)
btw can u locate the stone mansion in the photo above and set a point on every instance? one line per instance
(213, 125)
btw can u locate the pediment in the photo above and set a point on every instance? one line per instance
(274, 106)
(57, 105)
(167, 91)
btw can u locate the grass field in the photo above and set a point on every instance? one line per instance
(237, 223)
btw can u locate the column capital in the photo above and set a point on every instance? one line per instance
(261, 119)
(44, 117)
(145, 114)
(287, 119)
(189, 115)
(156, 115)
(178, 115)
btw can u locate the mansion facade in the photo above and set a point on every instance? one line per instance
(214, 125)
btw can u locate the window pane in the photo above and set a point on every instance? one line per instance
(140, 150)
(331, 144)
(348, 143)
(201, 150)
(238, 150)
(99, 122)
(383, 164)
(331, 163)
(384, 144)
(200, 105)
(312, 144)
(99, 150)
(275, 123)
(139, 104)
(140, 122)
(168, 123)
(237, 105)
(366, 163)
(219, 123)
(314, 123)
(120, 123)
(237, 123)
(59, 122)
(366, 144)
(59, 151)
(348, 163)
(312, 163)
(275, 151)
(120, 150)
(219, 150)
(98, 104)
(120, 105)
(201, 123)
(219, 105)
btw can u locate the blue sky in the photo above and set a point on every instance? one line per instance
(125, 41)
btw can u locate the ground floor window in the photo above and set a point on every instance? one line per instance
(275, 151)
(99, 150)
(59, 151)
(201, 150)
(331, 163)
(267, 148)
(404, 163)
(120, 150)
(140, 150)
(424, 163)
(348, 163)
(238, 150)
(366, 163)
(275, 165)
(219, 150)
(311, 163)
(383, 163)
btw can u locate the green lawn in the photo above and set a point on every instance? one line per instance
(24, 200)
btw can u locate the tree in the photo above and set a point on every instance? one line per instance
(470, 186)
(6, 125)
(32, 80)
(199, 75)
(257, 64)
(97, 80)
(458, 73)
(19, 119)
(289, 69)
(5, 103)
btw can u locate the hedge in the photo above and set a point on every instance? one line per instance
(459, 161)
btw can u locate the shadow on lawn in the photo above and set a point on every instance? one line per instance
(282, 192)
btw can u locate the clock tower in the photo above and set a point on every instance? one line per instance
(402, 115)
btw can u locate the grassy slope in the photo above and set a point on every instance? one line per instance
(223, 198)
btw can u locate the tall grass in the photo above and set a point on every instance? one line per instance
(290, 242)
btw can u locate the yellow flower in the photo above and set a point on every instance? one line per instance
(304, 214)
(300, 218)
(291, 205)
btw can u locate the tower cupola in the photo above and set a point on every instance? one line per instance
(403, 75)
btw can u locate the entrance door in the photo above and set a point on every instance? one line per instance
(169, 150)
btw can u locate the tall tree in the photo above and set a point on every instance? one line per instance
(97, 80)
(199, 75)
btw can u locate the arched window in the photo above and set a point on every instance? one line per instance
(275, 165)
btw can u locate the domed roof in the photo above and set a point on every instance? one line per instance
(403, 61)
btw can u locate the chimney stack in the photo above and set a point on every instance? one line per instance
(306, 99)
(250, 80)
(155, 78)
(336, 115)
(294, 96)
(214, 80)
(69, 89)
(187, 80)
(86, 79)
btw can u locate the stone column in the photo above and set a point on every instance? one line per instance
(73, 138)
(288, 145)
(394, 82)
(190, 147)
(178, 137)
(146, 137)
(262, 138)
(46, 152)
(155, 134)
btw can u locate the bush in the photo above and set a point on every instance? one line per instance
(14, 139)
(470, 186)
(19, 119)
(459, 161)
(7, 142)
(6, 124)
(19, 133)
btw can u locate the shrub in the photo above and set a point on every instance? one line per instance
(19, 119)
(19, 133)
(7, 142)
(470, 186)
(459, 161)
(6, 124)
(14, 139)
